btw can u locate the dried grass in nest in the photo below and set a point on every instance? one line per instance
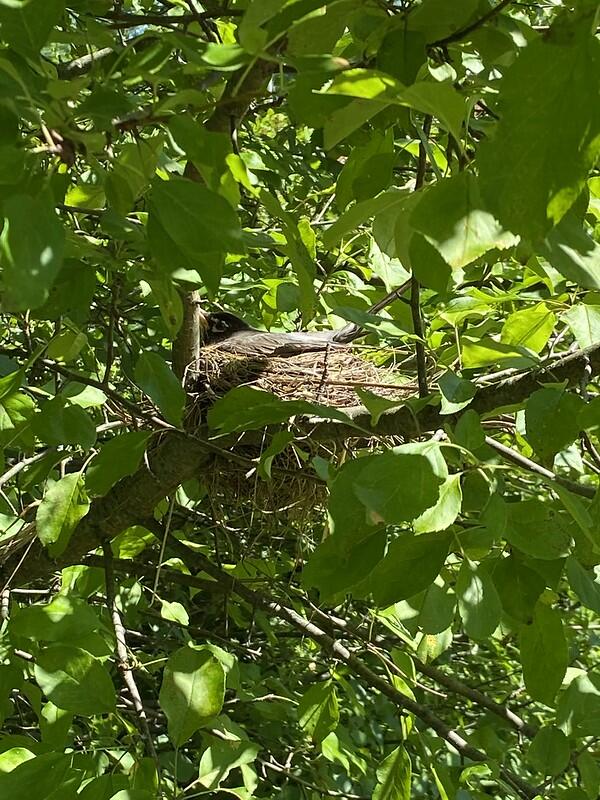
(294, 495)
(329, 377)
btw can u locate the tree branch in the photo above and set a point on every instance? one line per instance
(463, 32)
(196, 562)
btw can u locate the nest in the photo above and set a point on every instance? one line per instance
(329, 377)
(238, 492)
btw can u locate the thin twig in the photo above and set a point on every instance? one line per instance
(415, 299)
(197, 562)
(532, 466)
(121, 652)
(463, 32)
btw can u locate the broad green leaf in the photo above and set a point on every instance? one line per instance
(589, 772)
(279, 442)
(518, 587)
(453, 219)
(536, 529)
(572, 251)
(27, 25)
(530, 327)
(66, 346)
(478, 601)
(584, 322)
(31, 255)
(64, 504)
(578, 710)
(64, 619)
(221, 757)
(411, 564)
(246, 408)
(445, 511)
(439, 19)
(585, 585)
(133, 794)
(35, 778)
(157, 380)
(175, 612)
(131, 173)
(544, 654)
(64, 423)
(191, 693)
(549, 751)
(486, 352)
(551, 420)
(544, 119)
(75, 681)
(396, 487)
(368, 170)
(360, 213)
(318, 712)
(441, 100)
(117, 458)
(10, 759)
(169, 302)
(198, 219)
(393, 777)
(456, 392)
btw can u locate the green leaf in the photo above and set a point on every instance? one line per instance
(478, 601)
(453, 219)
(585, 586)
(36, 777)
(552, 420)
(318, 712)
(156, 379)
(589, 772)
(549, 752)
(279, 442)
(131, 174)
(64, 619)
(64, 504)
(578, 710)
(544, 654)
(360, 213)
(31, 255)
(584, 322)
(74, 680)
(245, 408)
(456, 392)
(28, 25)
(572, 251)
(117, 458)
(440, 516)
(535, 528)
(169, 301)
(396, 486)
(393, 777)
(518, 587)
(198, 219)
(222, 757)
(530, 327)
(66, 346)
(545, 119)
(411, 564)
(60, 423)
(192, 692)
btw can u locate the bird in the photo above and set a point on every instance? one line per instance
(229, 333)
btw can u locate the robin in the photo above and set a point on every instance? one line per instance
(231, 334)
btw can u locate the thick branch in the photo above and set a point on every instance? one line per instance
(509, 393)
(175, 459)
(198, 562)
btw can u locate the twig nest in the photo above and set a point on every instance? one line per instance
(239, 493)
(330, 377)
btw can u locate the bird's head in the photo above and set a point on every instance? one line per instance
(222, 324)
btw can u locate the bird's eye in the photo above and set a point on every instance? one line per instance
(218, 325)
